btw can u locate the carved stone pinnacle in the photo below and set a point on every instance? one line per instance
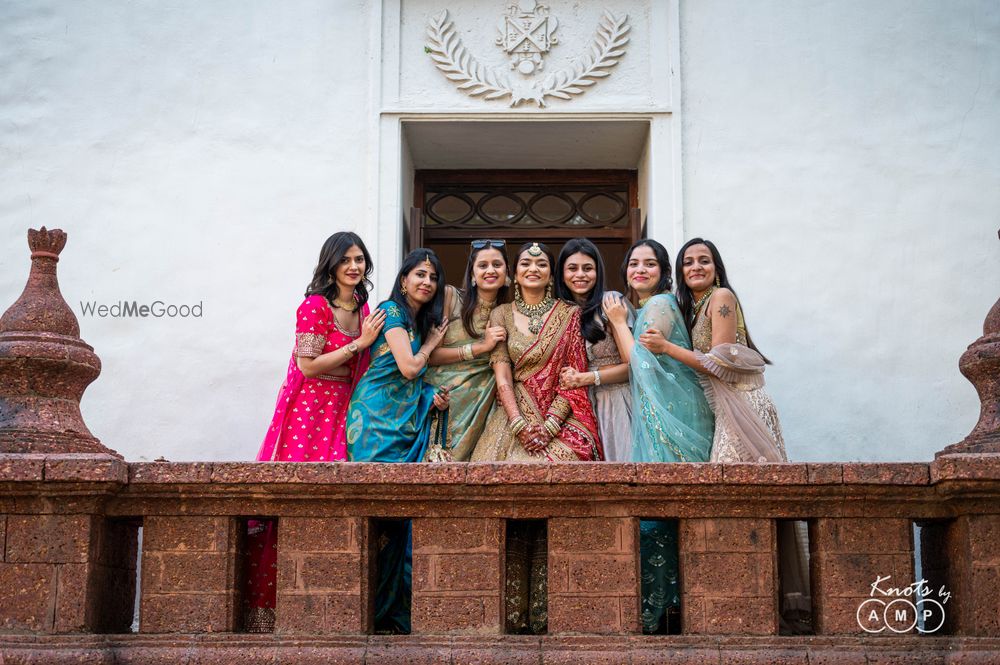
(44, 365)
(981, 365)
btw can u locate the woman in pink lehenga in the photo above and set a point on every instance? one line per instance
(332, 335)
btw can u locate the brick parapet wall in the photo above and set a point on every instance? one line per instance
(58, 515)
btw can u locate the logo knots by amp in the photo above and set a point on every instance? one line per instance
(903, 609)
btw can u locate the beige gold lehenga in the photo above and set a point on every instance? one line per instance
(752, 434)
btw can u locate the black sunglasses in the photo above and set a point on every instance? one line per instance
(482, 244)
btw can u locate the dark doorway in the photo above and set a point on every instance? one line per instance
(452, 208)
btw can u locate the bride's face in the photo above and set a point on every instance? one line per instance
(533, 272)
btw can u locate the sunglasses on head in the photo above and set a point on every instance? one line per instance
(482, 244)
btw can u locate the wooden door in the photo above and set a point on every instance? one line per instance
(452, 208)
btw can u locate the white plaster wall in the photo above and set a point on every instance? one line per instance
(845, 155)
(194, 151)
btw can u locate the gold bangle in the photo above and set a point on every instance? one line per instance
(517, 425)
(467, 352)
(552, 425)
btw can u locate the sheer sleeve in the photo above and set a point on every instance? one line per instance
(312, 325)
(663, 314)
(500, 353)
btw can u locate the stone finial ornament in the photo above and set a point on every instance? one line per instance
(981, 365)
(44, 365)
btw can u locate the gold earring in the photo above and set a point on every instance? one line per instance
(548, 290)
(403, 289)
(517, 291)
(717, 282)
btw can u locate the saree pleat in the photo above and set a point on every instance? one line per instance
(392, 419)
(673, 423)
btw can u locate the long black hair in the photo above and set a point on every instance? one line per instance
(666, 283)
(472, 294)
(592, 331)
(685, 297)
(324, 281)
(431, 313)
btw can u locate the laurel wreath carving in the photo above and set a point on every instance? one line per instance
(475, 79)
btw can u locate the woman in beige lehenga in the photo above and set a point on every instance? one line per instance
(747, 428)
(534, 418)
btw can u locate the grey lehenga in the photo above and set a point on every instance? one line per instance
(747, 429)
(612, 401)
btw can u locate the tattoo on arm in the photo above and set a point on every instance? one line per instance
(724, 311)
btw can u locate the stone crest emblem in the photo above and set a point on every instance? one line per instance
(526, 34)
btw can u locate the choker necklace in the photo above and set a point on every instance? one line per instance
(338, 304)
(485, 307)
(701, 301)
(534, 312)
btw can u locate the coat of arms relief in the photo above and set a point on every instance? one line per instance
(526, 34)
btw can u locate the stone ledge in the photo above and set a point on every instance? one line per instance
(682, 649)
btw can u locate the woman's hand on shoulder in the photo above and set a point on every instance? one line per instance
(437, 334)
(614, 308)
(371, 327)
(493, 335)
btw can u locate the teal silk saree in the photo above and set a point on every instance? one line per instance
(392, 419)
(672, 423)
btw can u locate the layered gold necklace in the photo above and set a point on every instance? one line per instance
(536, 312)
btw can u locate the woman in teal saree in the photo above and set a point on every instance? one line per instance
(672, 420)
(395, 415)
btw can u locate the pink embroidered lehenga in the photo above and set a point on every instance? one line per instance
(309, 425)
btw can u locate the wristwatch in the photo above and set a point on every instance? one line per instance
(353, 348)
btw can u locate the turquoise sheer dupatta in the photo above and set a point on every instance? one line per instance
(672, 419)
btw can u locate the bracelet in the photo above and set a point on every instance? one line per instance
(552, 425)
(423, 353)
(517, 425)
(466, 352)
(597, 378)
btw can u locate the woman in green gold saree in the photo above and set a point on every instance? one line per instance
(672, 420)
(462, 363)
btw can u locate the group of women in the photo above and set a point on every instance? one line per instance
(532, 362)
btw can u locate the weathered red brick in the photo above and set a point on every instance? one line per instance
(186, 613)
(984, 538)
(318, 534)
(27, 595)
(332, 571)
(200, 533)
(170, 572)
(608, 574)
(609, 472)
(299, 613)
(456, 534)
(74, 598)
(887, 474)
(21, 468)
(743, 615)
(49, 538)
(765, 474)
(963, 466)
(590, 534)
(859, 535)
(85, 468)
(586, 614)
(727, 573)
(678, 474)
(467, 572)
(507, 473)
(444, 614)
(851, 575)
(344, 614)
(826, 474)
(174, 473)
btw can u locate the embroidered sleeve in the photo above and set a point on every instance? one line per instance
(394, 316)
(312, 324)
(559, 408)
(499, 353)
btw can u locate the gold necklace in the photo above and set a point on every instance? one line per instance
(339, 304)
(534, 312)
(701, 301)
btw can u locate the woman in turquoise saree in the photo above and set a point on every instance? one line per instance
(672, 420)
(395, 415)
